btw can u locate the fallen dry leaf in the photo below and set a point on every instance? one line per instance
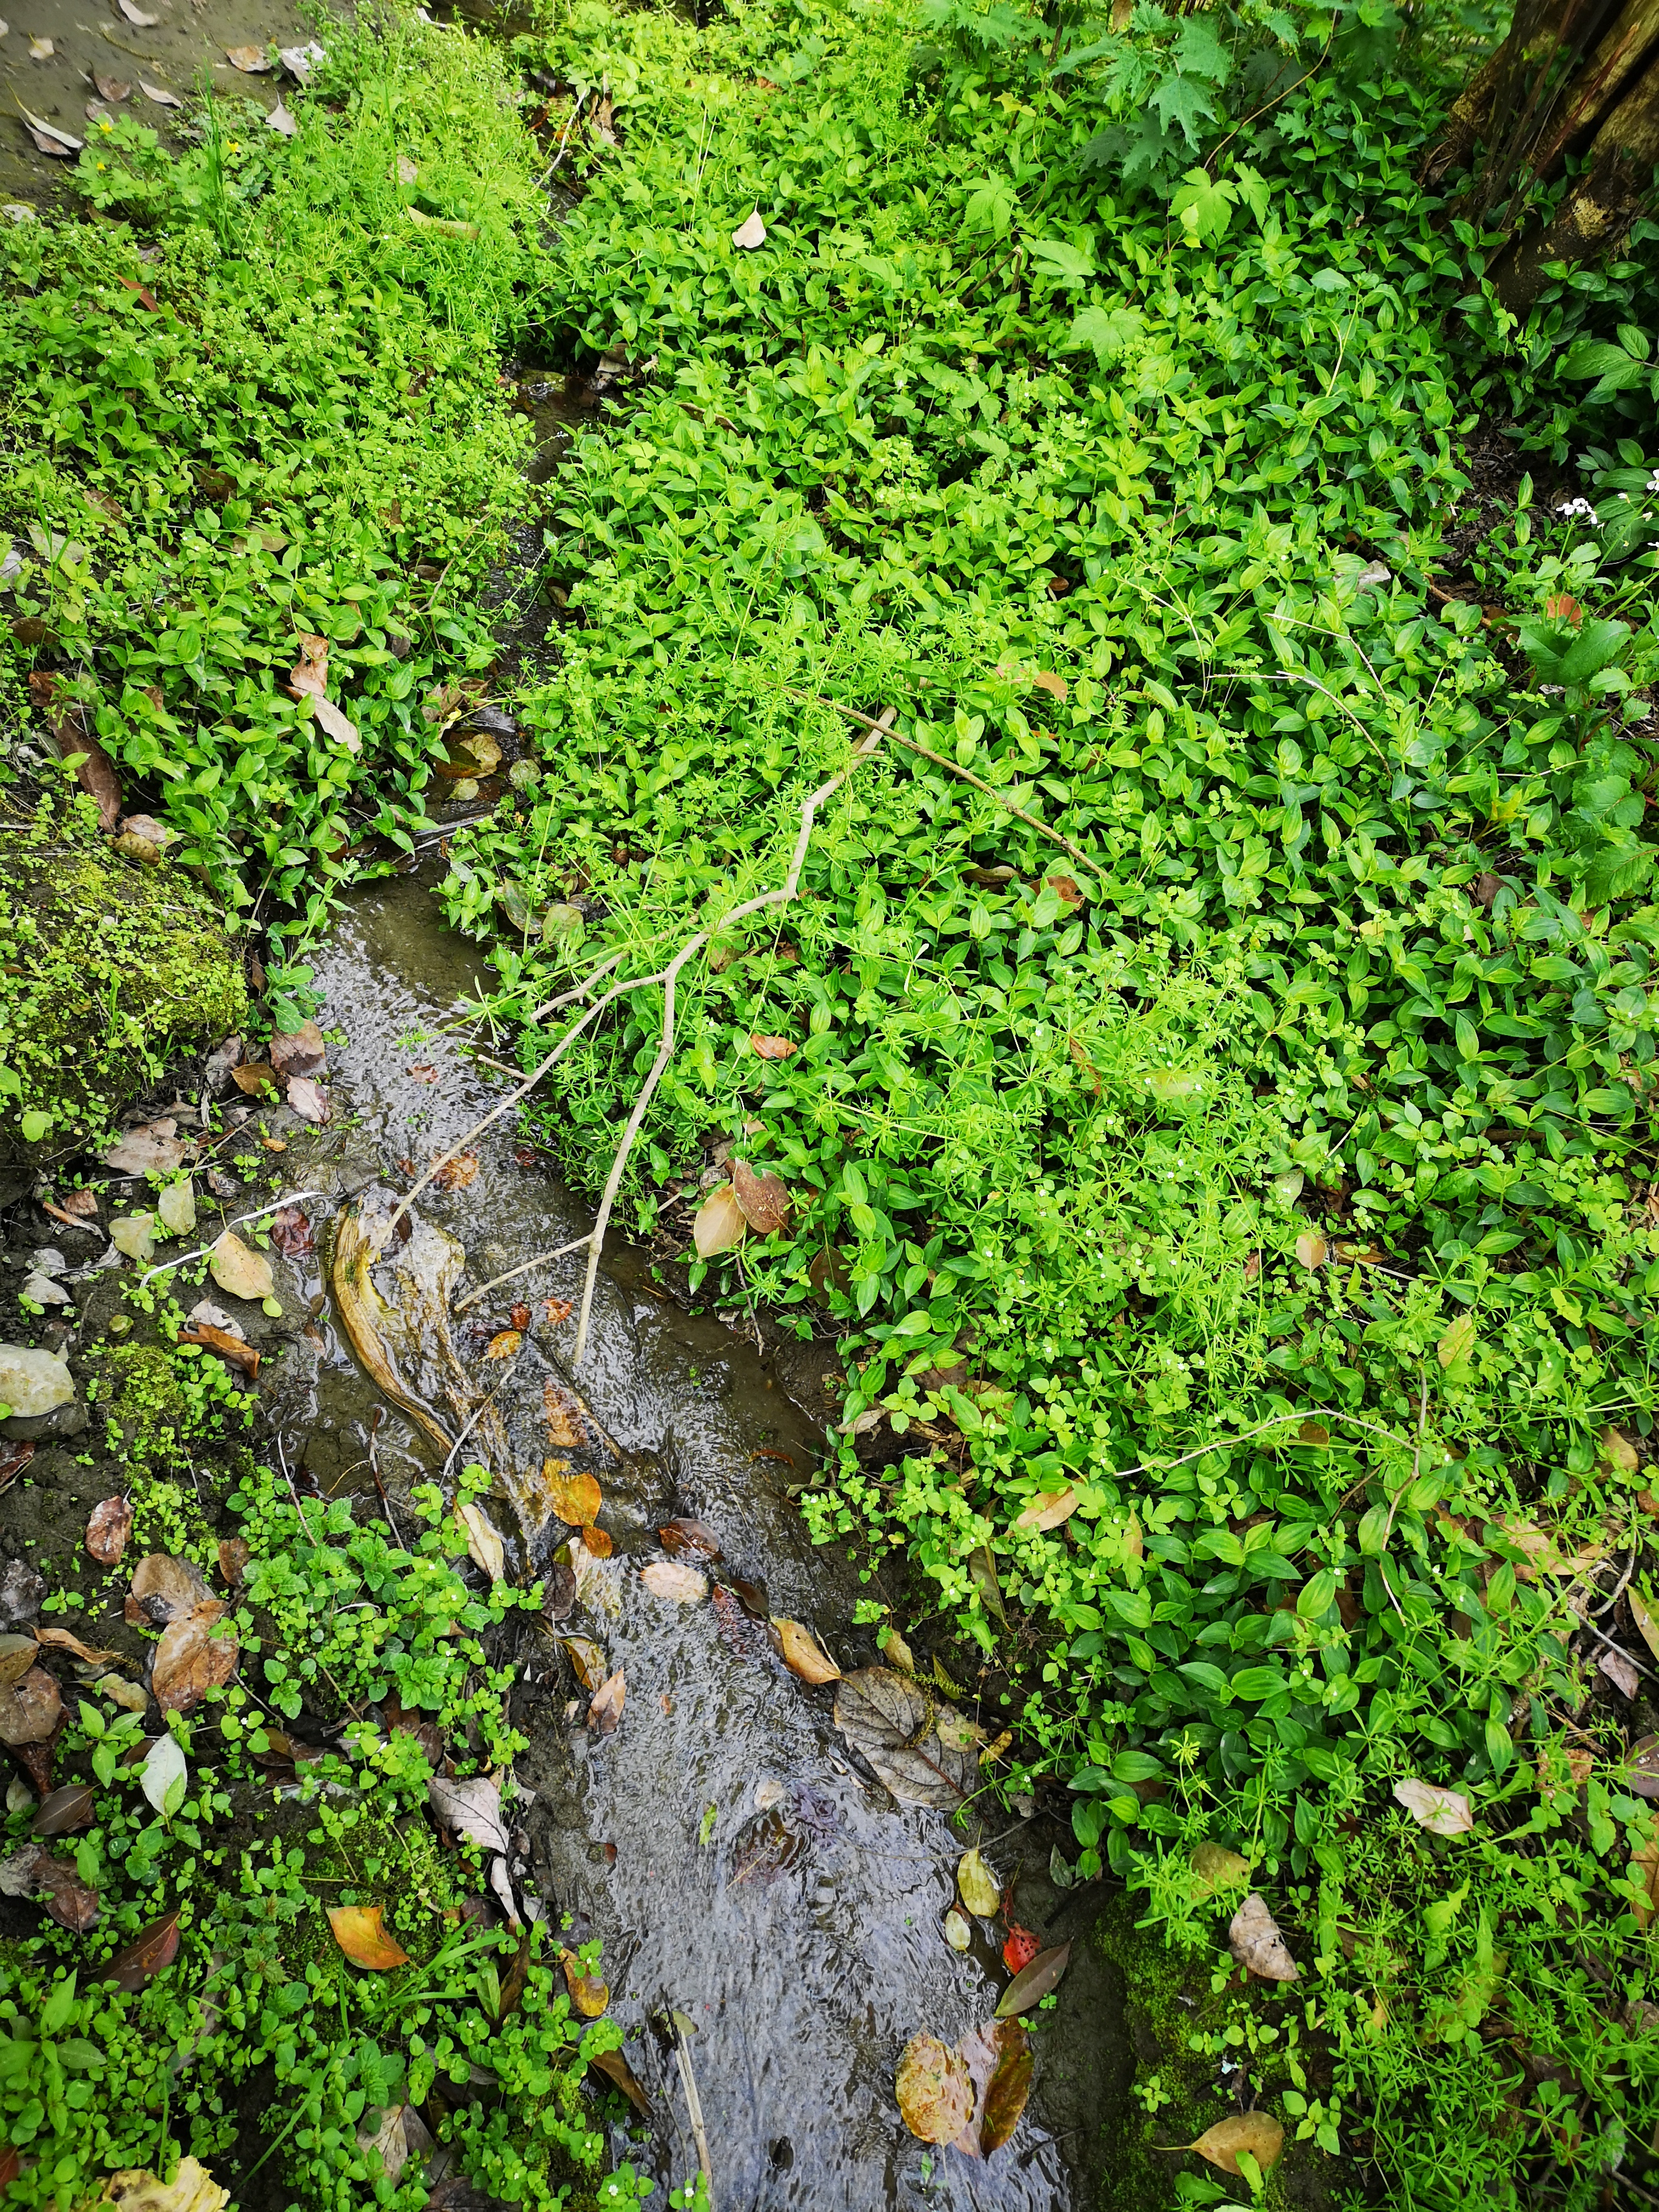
(235, 1350)
(1008, 2086)
(1647, 1621)
(1253, 1939)
(278, 118)
(616, 2068)
(234, 1556)
(587, 1658)
(925, 1753)
(896, 1651)
(567, 1423)
(240, 1271)
(689, 1540)
(1442, 1812)
(165, 1588)
(159, 94)
(505, 1344)
(762, 1199)
(484, 1546)
(29, 1709)
(1619, 1672)
(65, 1810)
(192, 1658)
(1641, 1767)
(587, 1992)
(310, 1100)
(1311, 1248)
(772, 1048)
(63, 1639)
(113, 88)
(575, 1497)
(677, 1585)
(1048, 1509)
(718, 1223)
(597, 1543)
(154, 1148)
(935, 2092)
(750, 233)
(136, 15)
(250, 60)
(360, 1931)
(1216, 1867)
(41, 50)
(108, 1530)
(472, 1808)
(148, 1954)
(290, 1230)
(70, 1901)
(254, 1076)
(1055, 685)
(457, 1174)
(17, 1655)
(802, 1654)
(1257, 2134)
(1033, 1983)
(136, 2189)
(606, 1710)
(977, 1886)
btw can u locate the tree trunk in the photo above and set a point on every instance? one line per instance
(1575, 79)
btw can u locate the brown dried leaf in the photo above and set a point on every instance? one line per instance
(935, 2094)
(17, 1655)
(235, 1350)
(801, 1653)
(254, 1076)
(504, 1344)
(63, 1639)
(192, 1658)
(1008, 2086)
(1257, 2133)
(689, 1540)
(360, 1931)
(616, 2068)
(457, 1174)
(147, 1955)
(234, 1556)
(1619, 1672)
(576, 1499)
(719, 1224)
(157, 1148)
(63, 1811)
(250, 60)
(111, 88)
(72, 1904)
(567, 1423)
(108, 1528)
(1442, 1812)
(587, 1658)
(61, 146)
(1253, 1939)
(165, 1588)
(762, 1199)
(606, 1710)
(1311, 1248)
(483, 1543)
(1049, 1508)
(1641, 1768)
(772, 1048)
(597, 1542)
(677, 1585)
(29, 1709)
(1033, 1983)
(924, 1751)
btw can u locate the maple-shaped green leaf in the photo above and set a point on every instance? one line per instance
(991, 207)
(1182, 101)
(1062, 263)
(1203, 206)
(1199, 52)
(1108, 331)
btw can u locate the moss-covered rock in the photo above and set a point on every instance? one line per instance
(109, 969)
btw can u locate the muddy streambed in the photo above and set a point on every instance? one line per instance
(722, 1842)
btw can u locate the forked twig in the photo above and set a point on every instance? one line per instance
(540, 1260)
(669, 976)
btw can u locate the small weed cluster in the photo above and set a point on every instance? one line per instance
(1236, 1204)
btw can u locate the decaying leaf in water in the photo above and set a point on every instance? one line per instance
(234, 1556)
(63, 1811)
(17, 1655)
(472, 1808)
(606, 1710)
(719, 1224)
(254, 1076)
(924, 1752)
(751, 1596)
(457, 1174)
(196, 1654)
(574, 1498)
(310, 1100)
(1033, 1983)
(165, 1588)
(484, 1546)
(801, 1653)
(762, 1199)
(111, 88)
(1311, 1248)
(1256, 2133)
(64, 1639)
(977, 1886)
(360, 1931)
(1442, 1812)
(616, 2068)
(505, 1344)
(1048, 1509)
(29, 1709)
(935, 2094)
(598, 1586)
(587, 1658)
(958, 1933)
(587, 1992)
(1253, 1939)
(240, 1271)
(1008, 2086)
(597, 1542)
(72, 1903)
(678, 1585)
(567, 1424)
(689, 1540)
(146, 1956)
(1215, 1868)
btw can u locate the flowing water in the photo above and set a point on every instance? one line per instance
(721, 1842)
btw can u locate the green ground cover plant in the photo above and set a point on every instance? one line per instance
(1238, 1214)
(258, 396)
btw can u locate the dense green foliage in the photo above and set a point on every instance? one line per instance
(1262, 1174)
(262, 403)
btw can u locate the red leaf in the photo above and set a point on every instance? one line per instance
(1020, 1949)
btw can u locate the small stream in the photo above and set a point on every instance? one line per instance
(720, 1842)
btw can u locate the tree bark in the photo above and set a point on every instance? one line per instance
(1601, 204)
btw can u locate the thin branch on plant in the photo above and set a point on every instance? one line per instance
(669, 976)
(693, 2105)
(966, 776)
(1602, 1637)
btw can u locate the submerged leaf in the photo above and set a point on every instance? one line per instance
(977, 1886)
(1008, 2086)
(802, 1654)
(689, 1540)
(935, 2095)
(360, 1931)
(924, 1752)
(667, 1578)
(1034, 1983)
(587, 1658)
(616, 2068)
(606, 1710)
(958, 1933)
(574, 1498)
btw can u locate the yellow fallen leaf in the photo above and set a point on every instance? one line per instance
(1257, 2133)
(360, 1931)
(977, 1886)
(802, 1654)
